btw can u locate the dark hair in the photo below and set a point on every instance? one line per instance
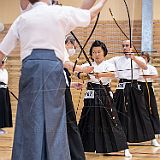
(146, 54)
(33, 1)
(56, 3)
(98, 43)
(70, 38)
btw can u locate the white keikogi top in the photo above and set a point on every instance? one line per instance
(151, 70)
(3, 75)
(123, 67)
(104, 66)
(56, 21)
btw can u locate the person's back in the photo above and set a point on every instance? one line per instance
(46, 27)
(41, 114)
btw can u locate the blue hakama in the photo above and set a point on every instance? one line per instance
(40, 132)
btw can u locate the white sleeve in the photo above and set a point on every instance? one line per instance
(144, 72)
(153, 70)
(4, 76)
(112, 62)
(76, 17)
(66, 56)
(110, 66)
(10, 40)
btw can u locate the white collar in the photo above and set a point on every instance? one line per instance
(98, 64)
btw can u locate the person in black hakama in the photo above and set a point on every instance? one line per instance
(5, 104)
(40, 132)
(99, 125)
(145, 81)
(74, 138)
(129, 98)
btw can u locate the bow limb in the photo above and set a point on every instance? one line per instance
(130, 31)
(121, 28)
(82, 48)
(130, 35)
(129, 23)
(13, 95)
(130, 42)
(79, 100)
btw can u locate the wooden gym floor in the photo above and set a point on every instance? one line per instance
(142, 151)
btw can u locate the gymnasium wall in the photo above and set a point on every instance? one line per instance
(106, 31)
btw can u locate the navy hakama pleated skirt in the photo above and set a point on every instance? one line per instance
(74, 137)
(5, 107)
(132, 112)
(151, 105)
(99, 125)
(40, 132)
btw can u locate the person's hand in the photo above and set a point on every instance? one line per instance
(87, 69)
(97, 75)
(83, 76)
(77, 85)
(97, 8)
(133, 56)
(130, 54)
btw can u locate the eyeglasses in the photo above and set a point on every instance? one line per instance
(125, 45)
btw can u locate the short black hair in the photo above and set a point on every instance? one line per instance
(98, 43)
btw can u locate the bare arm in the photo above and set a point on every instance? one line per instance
(87, 4)
(79, 68)
(24, 4)
(97, 8)
(140, 63)
(151, 76)
(107, 74)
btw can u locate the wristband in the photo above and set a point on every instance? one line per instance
(78, 75)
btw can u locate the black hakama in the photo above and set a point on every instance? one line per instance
(152, 107)
(131, 107)
(5, 107)
(99, 125)
(74, 137)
